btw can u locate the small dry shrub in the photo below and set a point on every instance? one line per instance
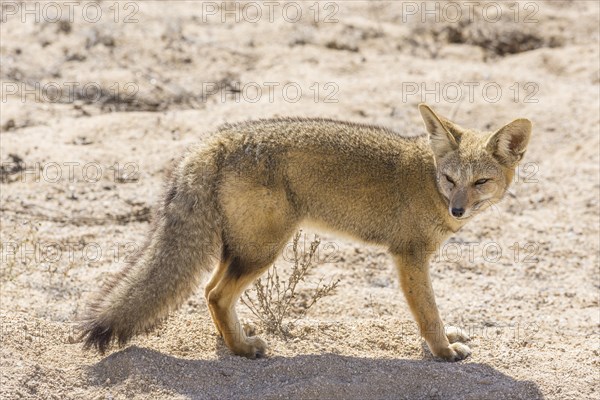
(17, 249)
(277, 302)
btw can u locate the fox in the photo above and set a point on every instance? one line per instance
(231, 204)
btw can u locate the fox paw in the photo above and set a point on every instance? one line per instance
(454, 352)
(251, 347)
(455, 334)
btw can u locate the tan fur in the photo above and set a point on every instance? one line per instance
(240, 198)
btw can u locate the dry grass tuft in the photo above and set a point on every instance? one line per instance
(275, 299)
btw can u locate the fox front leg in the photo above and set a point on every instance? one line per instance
(413, 269)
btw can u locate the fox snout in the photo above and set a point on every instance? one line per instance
(459, 204)
(457, 212)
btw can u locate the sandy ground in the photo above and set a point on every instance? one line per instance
(94, 111)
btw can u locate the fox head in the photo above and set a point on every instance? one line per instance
(474, 169)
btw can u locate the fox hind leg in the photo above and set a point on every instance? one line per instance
(222, 299)
(214, 280)
(217, 276)
(258, 222)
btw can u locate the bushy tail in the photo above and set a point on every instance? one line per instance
(182, 245)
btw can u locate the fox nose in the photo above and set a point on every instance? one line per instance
(458, 212)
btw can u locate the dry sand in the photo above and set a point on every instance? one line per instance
(525, 284)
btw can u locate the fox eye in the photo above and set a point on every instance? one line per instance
(481, 181)
(449, 179)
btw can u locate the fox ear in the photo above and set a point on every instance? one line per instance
(508, 144)
(440, 139)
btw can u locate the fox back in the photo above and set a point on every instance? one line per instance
(365, 180)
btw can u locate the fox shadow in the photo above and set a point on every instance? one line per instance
(307, 376)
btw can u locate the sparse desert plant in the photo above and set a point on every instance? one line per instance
(277, 302)
(16, 248)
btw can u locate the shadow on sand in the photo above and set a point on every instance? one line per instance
(326, 376)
